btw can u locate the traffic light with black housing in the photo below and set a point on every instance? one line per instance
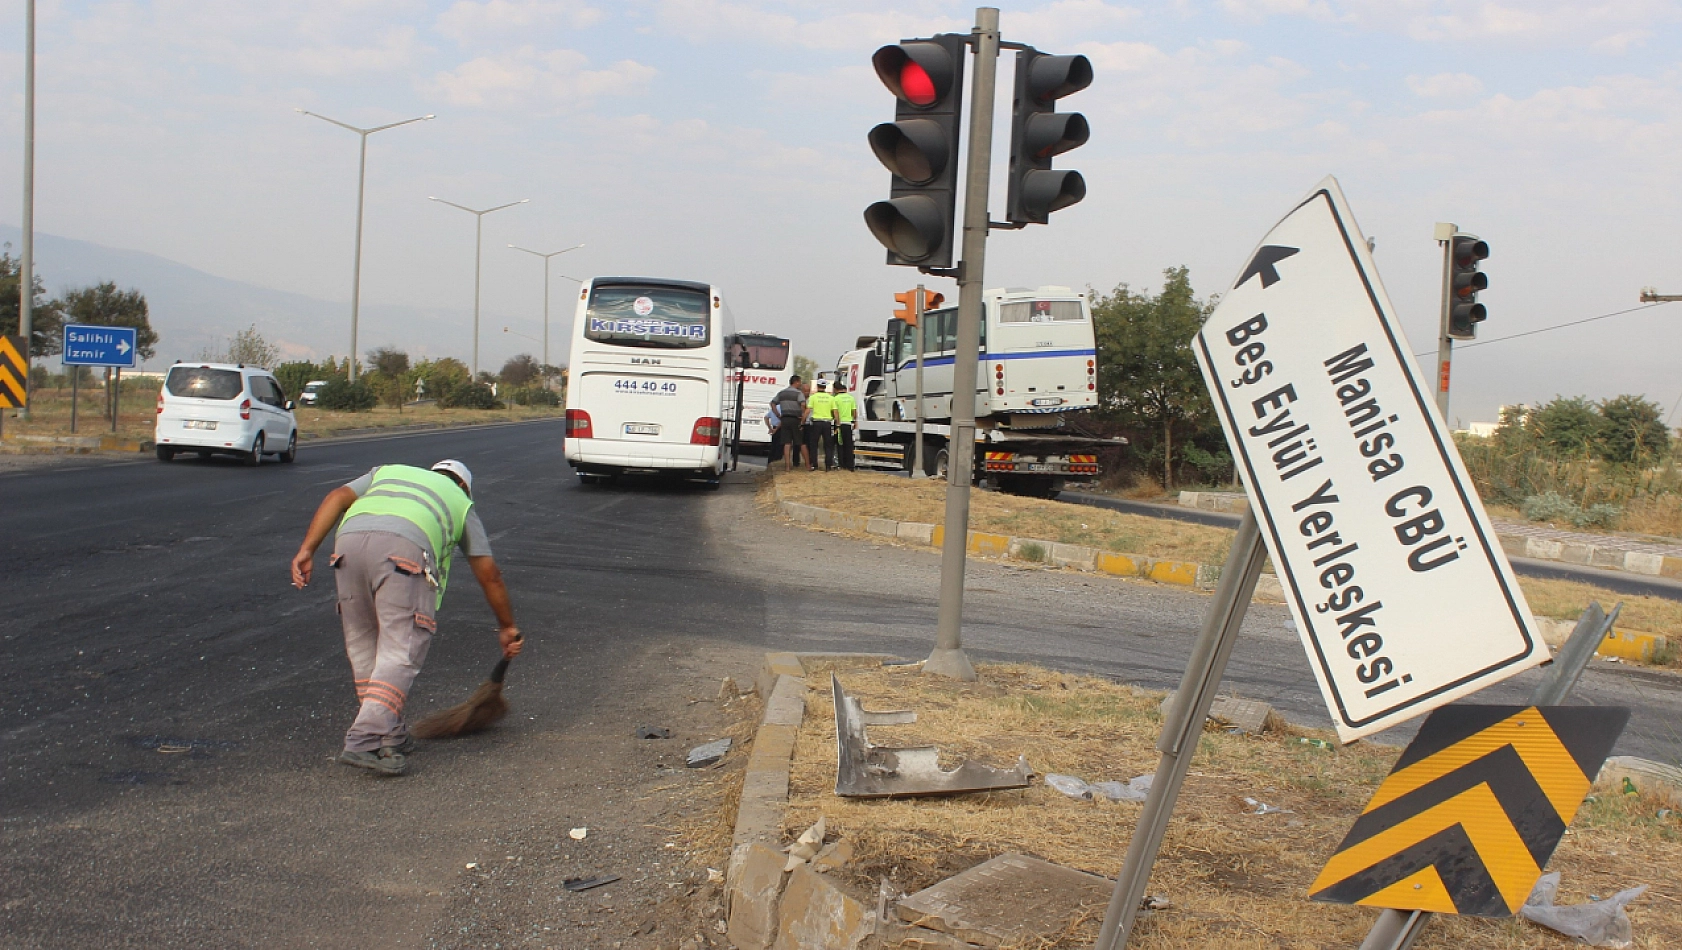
(1038, 132)
(922, 148)
(1465, 280)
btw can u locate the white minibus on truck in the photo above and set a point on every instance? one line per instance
(647, 392)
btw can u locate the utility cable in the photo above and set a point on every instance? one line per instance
(1558, 326)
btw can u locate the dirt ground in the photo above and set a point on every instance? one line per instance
(1233, 879)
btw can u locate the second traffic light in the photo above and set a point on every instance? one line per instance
(907, 309)
(921, 147)
(1465, 280)
(1038, 133)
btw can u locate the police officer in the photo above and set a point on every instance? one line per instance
(846, 413)
(391, 562)
(820, 427)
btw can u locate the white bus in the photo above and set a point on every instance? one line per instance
(761, 365)
(647, 390)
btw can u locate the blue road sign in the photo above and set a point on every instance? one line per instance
(98, 346)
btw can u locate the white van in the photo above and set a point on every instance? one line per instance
(224, 407)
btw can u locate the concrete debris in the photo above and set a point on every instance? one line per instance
(834, 855)
(806, 846)
(704, 755)
(1007, 901)
(866, 771)
(1246, 715)
(577, 834)
(755, 887)
(816, 915)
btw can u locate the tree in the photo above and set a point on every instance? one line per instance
(46, 317)
(1632, 430)
(1567, 427)
(806, 368)
(389, 360)
(521, 370)
(1147, 375)
(103, 305)
(249, 348)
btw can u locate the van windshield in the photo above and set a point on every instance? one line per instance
(645, 315)
(202, 382)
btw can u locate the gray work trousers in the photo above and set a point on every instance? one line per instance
(387, 607)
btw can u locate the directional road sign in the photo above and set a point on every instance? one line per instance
(14, 373)
(1474, 808)
(1399, 588)
(98, 346)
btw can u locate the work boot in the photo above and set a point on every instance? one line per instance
(385, 761)
(406, 747)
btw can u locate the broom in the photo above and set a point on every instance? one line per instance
(483, 709)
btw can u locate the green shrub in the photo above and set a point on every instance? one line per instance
(342, 395)
(469, 396)
(1552, 506)
(532, 396)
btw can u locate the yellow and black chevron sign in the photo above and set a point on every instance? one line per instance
(1475, 806)
(14, 373)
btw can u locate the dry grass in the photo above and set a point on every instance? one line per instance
(883, 496)
(1565, 600)
(1234, 880)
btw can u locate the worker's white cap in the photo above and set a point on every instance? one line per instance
(823, 385)
(453, 467)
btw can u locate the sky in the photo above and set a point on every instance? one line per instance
(724, 141)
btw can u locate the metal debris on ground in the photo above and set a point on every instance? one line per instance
(585, 883)
(653, 732)
(1597, 923)
(863, 770)
(1007, 900)
(1136, 789)
(705, 755)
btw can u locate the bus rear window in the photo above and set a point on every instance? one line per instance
(202, 382)
(662, 317)
(1041, 311)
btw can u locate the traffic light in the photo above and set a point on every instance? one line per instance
(907, 309)
(1038, 133)
(921, 147)
(1465, 280)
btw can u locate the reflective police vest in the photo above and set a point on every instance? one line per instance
(430, 501)
(823, 406)
(845, 407)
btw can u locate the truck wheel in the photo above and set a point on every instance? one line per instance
(936, 465)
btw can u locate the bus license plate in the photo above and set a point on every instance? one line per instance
(638, 428)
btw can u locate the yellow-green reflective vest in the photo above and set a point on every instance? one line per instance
(845, 407)
(823, 406)
(430, 501)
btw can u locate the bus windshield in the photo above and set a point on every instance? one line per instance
(648, 315)
(762, 351)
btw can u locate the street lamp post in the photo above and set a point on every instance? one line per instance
(545, 289)
(361, 178)
(478, 244)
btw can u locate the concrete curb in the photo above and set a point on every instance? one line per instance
(755, 882)
(71, 444)
(1623, 644)
(1539, 549)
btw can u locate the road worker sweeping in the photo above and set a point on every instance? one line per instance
(391, 563)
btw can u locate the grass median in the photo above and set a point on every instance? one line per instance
(1232, 878)
(923, 500)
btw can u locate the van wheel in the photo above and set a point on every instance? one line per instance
(291, 453)
(254, 458)
(166, 454)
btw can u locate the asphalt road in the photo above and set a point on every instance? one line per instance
(169, 706)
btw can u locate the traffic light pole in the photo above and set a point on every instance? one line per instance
(948, 658)
(1445, 343)
(919, 308)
